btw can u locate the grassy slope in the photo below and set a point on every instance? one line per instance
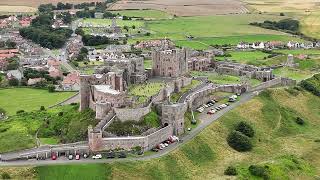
(29, 99)
(18, 132)
(288, 149)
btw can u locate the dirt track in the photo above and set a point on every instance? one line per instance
(185, 7)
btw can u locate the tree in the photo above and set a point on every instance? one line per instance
(245, 128)
(13, 82)
(5, 175)
(231, 171)
(300, 121)
(281, 14)
(239, 142)
(259, 171)
(42, 108)
(133, 27)
(126, 28)
(51, 88)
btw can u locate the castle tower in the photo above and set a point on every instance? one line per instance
(169, 63)
(94, 139)
(173, 115)
(85, 84)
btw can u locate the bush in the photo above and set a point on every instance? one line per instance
(20, 111)
(42, 108)
(13, 82)
(300, 121)
(231, 171)
(281, 14)
(245, 129)
(259, 171)
(239, 142)
(51, 88)
(5, 175)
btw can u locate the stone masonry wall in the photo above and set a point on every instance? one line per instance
(125, 114)
(146, 142)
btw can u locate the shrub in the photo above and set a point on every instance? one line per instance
(13, 82)
(245, 128)
(42, 108)
(239, 142)
(5, 175)
(300, 121)
(281, 14)
(60, 113)
(20, 111)
(259, 171)
(51, 88)
(231, 171)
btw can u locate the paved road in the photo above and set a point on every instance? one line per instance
(207, 120)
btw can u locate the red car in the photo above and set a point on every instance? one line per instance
(53, 156)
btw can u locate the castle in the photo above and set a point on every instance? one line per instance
(169, 63)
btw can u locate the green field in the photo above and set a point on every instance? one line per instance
(293, 73)
(147, 63)
(28, 99)
(216, 78)
(300, 51)
(82, 171)
(245, 57)
(120, 22)
(211, 30)
(149, 14)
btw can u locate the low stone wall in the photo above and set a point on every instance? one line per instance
(275, 82)
(125, 114)
(146, 142)
(200, 97)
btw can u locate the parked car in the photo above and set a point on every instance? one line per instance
(111, 155)
(78, 157)
(155, 149)
(166, 145)
(85, 155)
(98, 156)
(53, 156)
(122, 155)
(70, 157)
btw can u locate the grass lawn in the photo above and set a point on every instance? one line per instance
(245, 57)
(81, 171)
(143, 91)
(152, 14)
(109, 21)
(216, 78)
(28, 99)
(175, 96)
(300, 51)
(293, 73)
(51, 140)
(147, 63)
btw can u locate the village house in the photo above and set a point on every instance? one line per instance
(54, 72)
(71, 82)
(154, 43)
(16, 74)
(34, 81)
(8, 53)
(3, 64)
(74, 46)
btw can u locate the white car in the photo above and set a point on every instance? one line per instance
(166, 144)
(98, 156)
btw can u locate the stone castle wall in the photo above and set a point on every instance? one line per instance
(127, 143)
(201, 97)
(275, 82)
(125, 114)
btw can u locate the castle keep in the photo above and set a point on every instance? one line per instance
(169, 63)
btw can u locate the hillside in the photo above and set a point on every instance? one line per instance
(288, 150)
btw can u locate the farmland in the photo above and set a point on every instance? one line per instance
(109, 21)
(149, 14)
(36, 3)
(185, 7)
(28, 99)
(213, 30)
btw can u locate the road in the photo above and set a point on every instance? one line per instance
(206, 121)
